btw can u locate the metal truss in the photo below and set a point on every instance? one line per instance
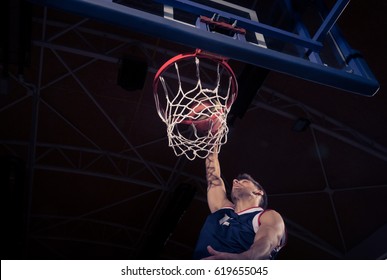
(278, 103)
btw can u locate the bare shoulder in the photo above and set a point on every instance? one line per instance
(271, 216)
(271, 228)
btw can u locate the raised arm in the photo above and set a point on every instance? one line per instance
(216, 191)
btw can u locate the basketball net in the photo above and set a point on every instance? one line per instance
(195, 113)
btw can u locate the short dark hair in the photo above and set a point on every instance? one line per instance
(264, 200)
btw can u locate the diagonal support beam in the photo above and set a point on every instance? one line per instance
(330, 20)
(103, 112)
(340, 131)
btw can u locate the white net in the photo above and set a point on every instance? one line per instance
(195, 111)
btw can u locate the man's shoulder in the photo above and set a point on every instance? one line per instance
(271, 212)
(270, 215)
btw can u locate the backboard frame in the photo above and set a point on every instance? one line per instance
(356, 78)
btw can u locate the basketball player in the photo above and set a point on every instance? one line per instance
(241, 229)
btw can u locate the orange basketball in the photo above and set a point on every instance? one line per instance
(206, 116)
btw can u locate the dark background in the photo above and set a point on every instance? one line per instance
(86, 171)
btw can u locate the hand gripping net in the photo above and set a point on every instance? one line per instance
(195, 110)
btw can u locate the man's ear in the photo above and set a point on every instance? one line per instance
(258, 192)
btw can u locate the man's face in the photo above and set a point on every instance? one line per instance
(243, 187)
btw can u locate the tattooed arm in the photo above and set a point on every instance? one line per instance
(216, 191)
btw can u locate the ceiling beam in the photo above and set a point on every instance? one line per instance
(328, 125)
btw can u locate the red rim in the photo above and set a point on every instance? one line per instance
(199, 54)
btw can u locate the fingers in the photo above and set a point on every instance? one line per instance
(217, 255)
(212, 251)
